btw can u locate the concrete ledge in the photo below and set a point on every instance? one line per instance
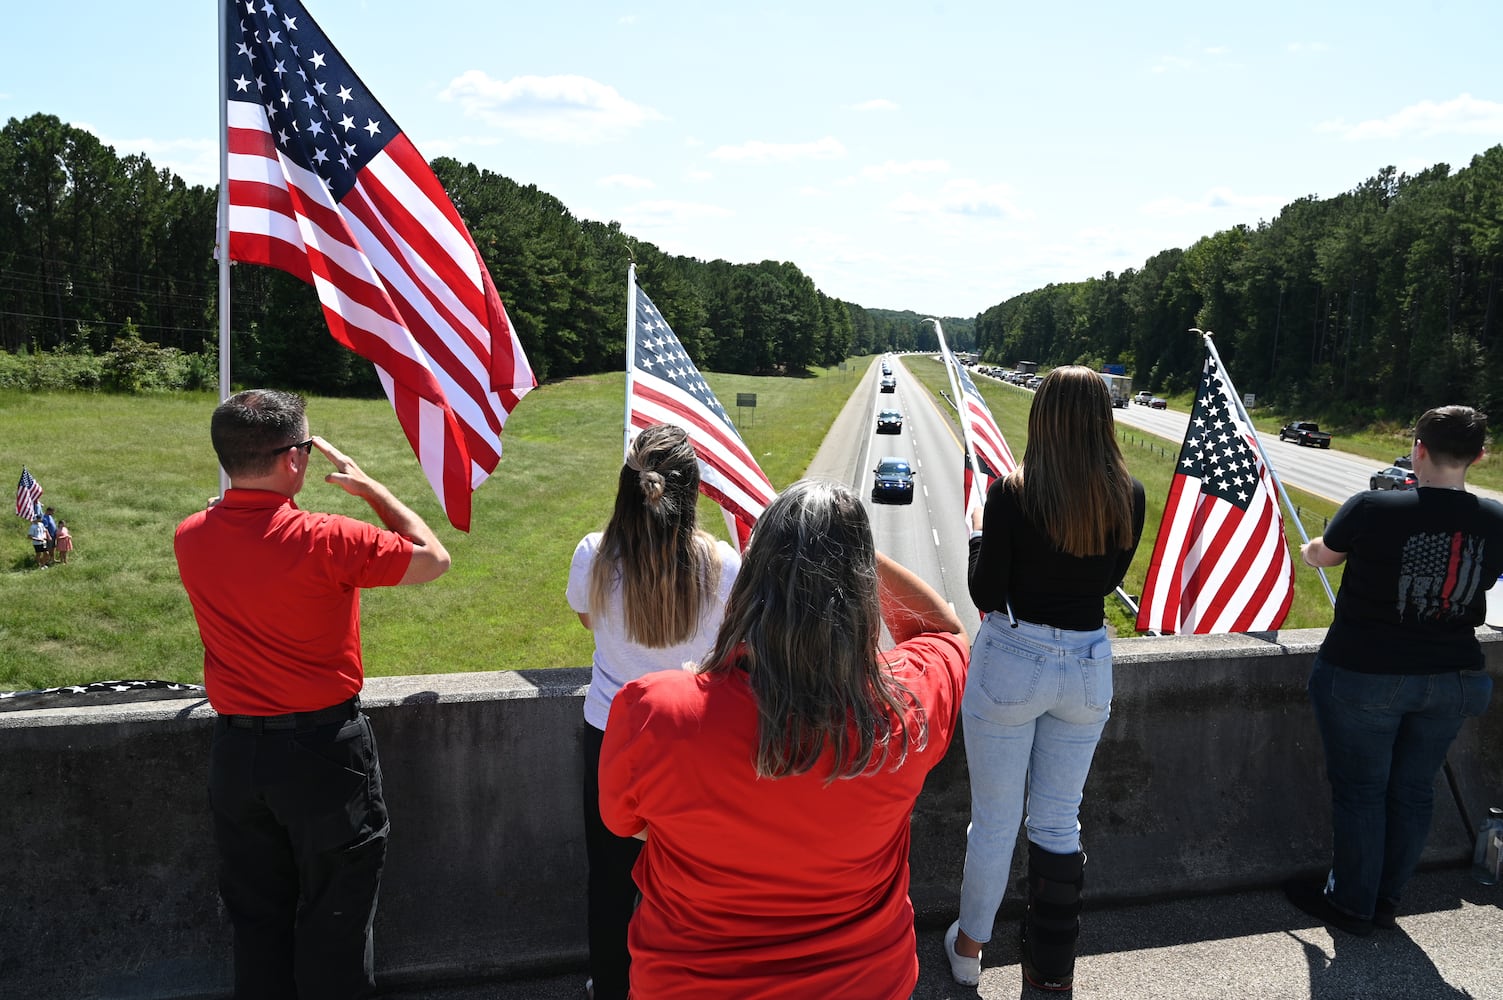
(1209, 776)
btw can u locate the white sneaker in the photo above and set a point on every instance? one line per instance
(967, 971)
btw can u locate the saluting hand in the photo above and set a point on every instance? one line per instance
(346, 475)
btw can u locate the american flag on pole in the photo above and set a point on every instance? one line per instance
(28, 495)
(324, 185)
(664, 387)
(988, 448)
(1220, 563)
(987, 457)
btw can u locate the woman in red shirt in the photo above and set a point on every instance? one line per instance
(773, 787)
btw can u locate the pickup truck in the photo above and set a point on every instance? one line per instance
(1302, 432)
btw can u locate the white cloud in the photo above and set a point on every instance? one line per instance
(895, 168)
(876, 104)
(1172, 64)
(548, 108)
(670, 213)
(963, 197)
(434, 148)
(1464, 115)
(625, 181)
(1214, 200)
(196, 161)
(755, 151)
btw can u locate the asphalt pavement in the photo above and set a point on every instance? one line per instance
(1449, 944)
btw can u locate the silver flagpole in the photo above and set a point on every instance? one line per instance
(1231, 391)
(953, 368)
(631, 353)
(222, 248)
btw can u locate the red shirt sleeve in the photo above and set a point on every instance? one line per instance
(623, 758)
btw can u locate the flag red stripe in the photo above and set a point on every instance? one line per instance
(1252, 616)
(1160, 605)
(706, 426)
(1217, 567)
(401, 283)
(710, 444)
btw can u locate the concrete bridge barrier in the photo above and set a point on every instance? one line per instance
(1210, 776)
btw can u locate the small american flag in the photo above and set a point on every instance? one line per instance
(664, 387)
(1220, 563)
(987, 457)
(28, 496)
(987, 447)
(324, 185)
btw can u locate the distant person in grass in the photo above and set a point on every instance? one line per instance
(64, 541)
(651, 588)
(294, 778)
(49, 521)
(37, 532)
(1400, 668)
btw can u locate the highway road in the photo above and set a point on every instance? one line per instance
(930, 535)
(1329, 473)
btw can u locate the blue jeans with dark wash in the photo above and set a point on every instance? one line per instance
(1035, 704)
(1386, 737)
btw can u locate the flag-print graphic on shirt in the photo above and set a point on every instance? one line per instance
(1440, 575)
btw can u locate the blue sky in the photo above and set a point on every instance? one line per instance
(934, 156)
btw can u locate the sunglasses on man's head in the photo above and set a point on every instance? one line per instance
(307, 447)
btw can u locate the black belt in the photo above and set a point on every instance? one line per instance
(343, 712)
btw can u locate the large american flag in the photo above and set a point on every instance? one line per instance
(987, 448)
(323, 184)
(664, 387)
(1220, 563)
(28, 495)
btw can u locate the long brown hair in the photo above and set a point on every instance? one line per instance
(652, 547)
(1073, 481)
(803, 621)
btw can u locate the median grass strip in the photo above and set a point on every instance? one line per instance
(125, 470)
(1151, 459)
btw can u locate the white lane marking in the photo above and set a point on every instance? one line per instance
(935, 533)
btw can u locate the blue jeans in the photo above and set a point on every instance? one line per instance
(1034, 707)
(1386, 737)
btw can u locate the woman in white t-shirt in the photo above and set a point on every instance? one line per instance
(652, 588)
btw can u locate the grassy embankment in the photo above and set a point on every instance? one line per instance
(124, 470)
(1151, 459)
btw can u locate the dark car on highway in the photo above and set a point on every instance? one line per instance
(1158, 403)
(1392, 478)
(889, 422)
(889, 384)
(894, 482)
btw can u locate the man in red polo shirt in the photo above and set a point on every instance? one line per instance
(294, 779)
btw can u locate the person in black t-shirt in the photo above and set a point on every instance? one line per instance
(1400, 668)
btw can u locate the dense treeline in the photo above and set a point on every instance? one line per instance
(1377, 303)
(1374, 303)
(102, 255)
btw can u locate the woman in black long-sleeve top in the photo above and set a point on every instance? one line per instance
(1055, 539)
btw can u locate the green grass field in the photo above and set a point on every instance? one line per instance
(124, 470)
